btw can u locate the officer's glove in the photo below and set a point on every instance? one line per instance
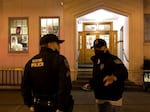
(109, 79)
(59, 110)
(86, 87)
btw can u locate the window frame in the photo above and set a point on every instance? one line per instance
(146, 30)
(54, 31)
(18, 28)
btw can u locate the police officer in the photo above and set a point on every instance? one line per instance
(46, 83)
(109, 74)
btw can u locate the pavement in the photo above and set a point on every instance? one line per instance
(133, 101)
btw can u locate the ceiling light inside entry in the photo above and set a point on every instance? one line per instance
(100, 15)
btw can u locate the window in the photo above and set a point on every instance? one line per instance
(147, 27)
(97, 26)
(18, 34)
(104, 27)
(49, 25)
(89, 41)
(90, 27)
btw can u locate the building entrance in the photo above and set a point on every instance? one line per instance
(92, 31)
(85, 43)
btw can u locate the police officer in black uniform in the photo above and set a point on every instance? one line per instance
(46, 83)
(109, 75)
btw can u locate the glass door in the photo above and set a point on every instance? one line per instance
(86, 40)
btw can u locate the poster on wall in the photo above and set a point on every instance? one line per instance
(18, 34)
(49, 25)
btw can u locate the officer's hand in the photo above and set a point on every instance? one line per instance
(31, 109)
(109, 79)
(59, 110)
(86, 87)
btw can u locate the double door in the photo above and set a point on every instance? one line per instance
(85, 42)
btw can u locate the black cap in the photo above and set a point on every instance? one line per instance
(50, 38)
(98, 43)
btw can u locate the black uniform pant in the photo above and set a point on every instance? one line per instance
(44, 105)
(107, 107)
(39, 108)
(50, 109)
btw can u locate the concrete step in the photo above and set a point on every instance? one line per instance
(129, 86)
(85, 66)
(85, 74)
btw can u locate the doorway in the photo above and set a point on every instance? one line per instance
(106, 27)
(85, 42)
(92, 31)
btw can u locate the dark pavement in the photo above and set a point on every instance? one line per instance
(133, 101)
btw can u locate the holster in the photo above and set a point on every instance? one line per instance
(43, 102)
(70, 105)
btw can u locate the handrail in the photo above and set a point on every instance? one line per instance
(16, 68)
(124, 54)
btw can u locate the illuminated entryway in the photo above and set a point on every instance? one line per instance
(100, 24)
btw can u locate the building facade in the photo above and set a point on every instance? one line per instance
(135, 47)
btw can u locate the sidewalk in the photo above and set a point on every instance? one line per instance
(133, 101)
(11, 101)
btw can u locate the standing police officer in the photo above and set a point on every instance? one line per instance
(109, 74)
(46, 83)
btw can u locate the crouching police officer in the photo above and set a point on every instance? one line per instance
(46, 83)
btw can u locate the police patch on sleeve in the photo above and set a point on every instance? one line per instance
(66, 63)
(67, 66)
(117, 61)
